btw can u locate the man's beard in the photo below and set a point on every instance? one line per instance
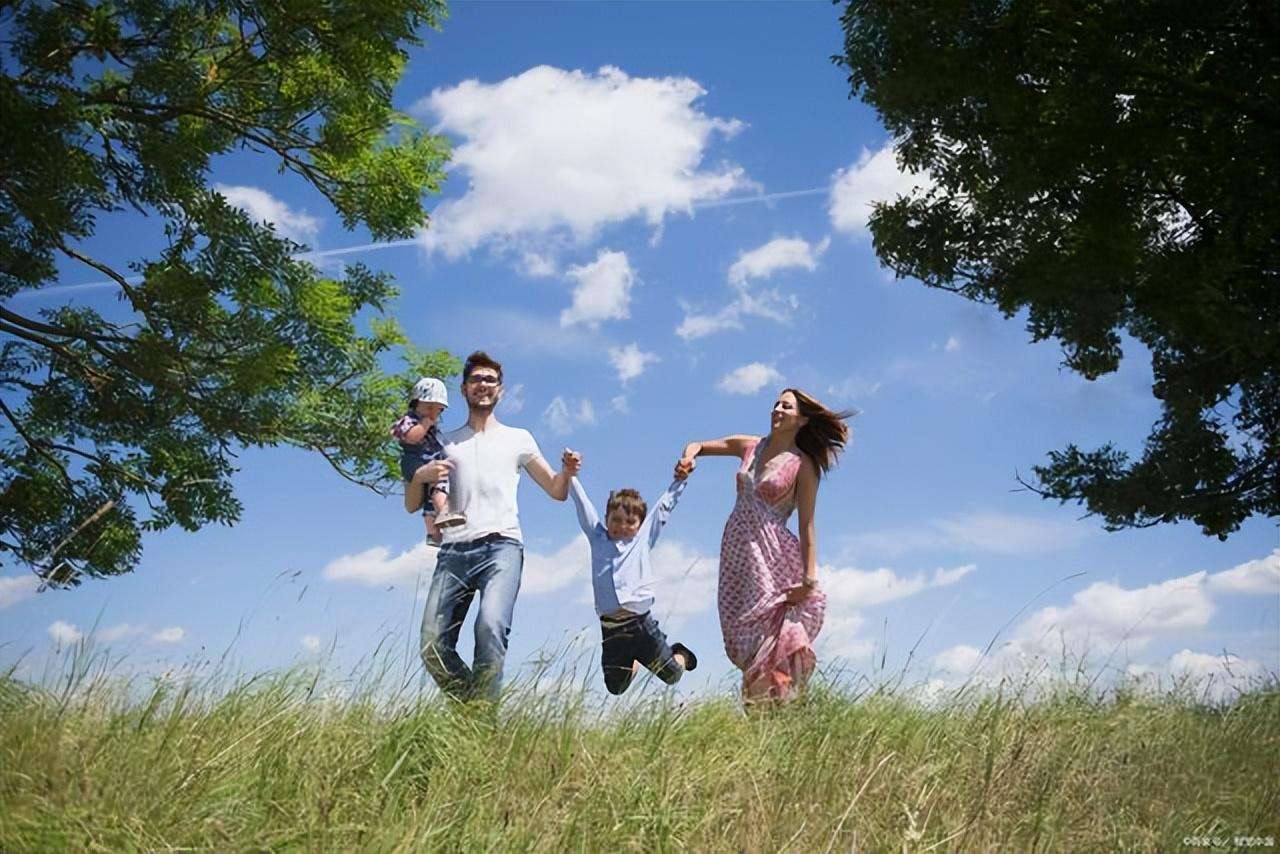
(485, 407)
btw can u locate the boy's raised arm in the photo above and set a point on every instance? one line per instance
(662, 509)
(587, 517)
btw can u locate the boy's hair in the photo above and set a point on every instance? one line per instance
(480, 359)
(627, 500)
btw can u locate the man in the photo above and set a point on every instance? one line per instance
(485, 555)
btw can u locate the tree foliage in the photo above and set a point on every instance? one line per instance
(1107, 168)
(113, 427)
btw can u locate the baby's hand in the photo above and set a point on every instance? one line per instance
(414, 435)
(433, 530)
(571, 462)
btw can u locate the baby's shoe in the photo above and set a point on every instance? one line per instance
(450, 520)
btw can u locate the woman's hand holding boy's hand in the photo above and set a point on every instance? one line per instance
(685, 467)
(571, 462)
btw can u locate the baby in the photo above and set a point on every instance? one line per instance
(620, 582)
(420, 444)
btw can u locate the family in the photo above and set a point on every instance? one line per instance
(464, 481)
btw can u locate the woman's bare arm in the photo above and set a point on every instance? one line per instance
(806, 502)
(729, 446)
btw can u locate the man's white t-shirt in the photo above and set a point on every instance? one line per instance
(486, 472)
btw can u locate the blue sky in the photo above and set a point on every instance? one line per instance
(656, 219)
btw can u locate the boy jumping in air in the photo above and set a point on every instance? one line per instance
(620, 582)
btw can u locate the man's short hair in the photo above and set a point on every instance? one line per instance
(627, 500)
(480, 359)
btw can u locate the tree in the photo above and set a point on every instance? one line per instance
(1106, 167)
(229, 340)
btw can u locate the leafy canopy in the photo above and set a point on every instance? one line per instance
(1106, 167)
(111, 427)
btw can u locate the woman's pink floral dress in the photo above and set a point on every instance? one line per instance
(769, 640)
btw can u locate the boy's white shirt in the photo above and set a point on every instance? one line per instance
(485, 477)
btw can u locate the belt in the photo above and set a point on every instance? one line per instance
(478, 541)
(620, 618)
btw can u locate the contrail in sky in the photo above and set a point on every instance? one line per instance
(766, 197)
(396, 244)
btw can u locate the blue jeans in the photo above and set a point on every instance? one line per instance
(492, 568)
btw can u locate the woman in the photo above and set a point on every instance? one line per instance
(771, 608)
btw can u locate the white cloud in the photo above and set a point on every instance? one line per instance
(859, 588)
(562, 417)
(944, 577)
(171, 634)
(1223, 664)
(874, 177)
(552, 152)
(854, 388)
(849, 590)
(513, 399)
(546, 573)
(619, 404)
(839, 636)
(376, 566)
(310, 643)
(952, 345)
(603, 290)
(261, 206)
(535, 265)
(684, 579)
(781, 253)
(760, 263)
(749, 379)
(998, 533)
(961, 659)
(64, 633)
(1105, 621)
(700, 325)
(1217, 677)
(630, 361)
(1105, 614)
(1255, 576)
(119, 632)
(15, 588)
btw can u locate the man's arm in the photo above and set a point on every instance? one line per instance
(555, 485)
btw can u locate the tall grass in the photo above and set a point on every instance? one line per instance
(283, 760)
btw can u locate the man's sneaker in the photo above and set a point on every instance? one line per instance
(690, 660)
(450, 520)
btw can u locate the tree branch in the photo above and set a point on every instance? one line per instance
(37, 326)
(34, 445)
(106, 271)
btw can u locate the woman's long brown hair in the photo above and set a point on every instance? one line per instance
(826, 434)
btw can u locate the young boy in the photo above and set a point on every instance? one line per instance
(620, 579)
(420, 444)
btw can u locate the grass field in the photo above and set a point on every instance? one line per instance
(279, 761)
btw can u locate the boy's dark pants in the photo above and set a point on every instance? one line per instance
(636, 639)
